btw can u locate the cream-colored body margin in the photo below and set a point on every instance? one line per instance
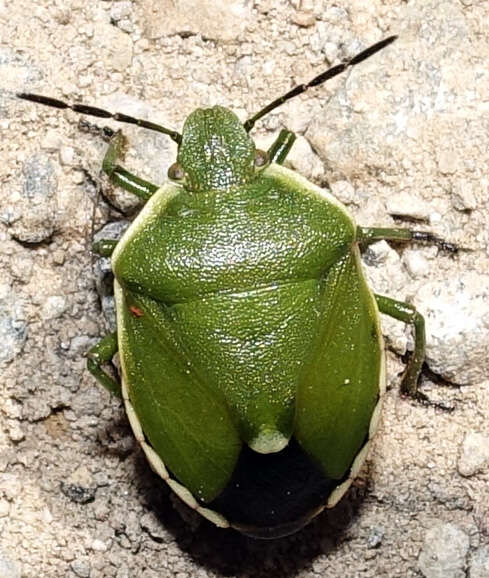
(358, 462)
(154, 205)
(153, 458)
(156, 202)
(294, 178)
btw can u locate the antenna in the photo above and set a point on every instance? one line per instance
(323, 77)
(100, 112)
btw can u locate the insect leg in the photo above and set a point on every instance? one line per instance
(104, 247)
(281, 147)
(409, 315)
(119, 175)
(366, 235)
(100, 354)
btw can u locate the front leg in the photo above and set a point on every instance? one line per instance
(280, 148)
(119, 175)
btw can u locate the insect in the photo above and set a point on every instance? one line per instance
(250, 345)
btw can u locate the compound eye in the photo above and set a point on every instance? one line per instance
(261, 159)
(176, 172)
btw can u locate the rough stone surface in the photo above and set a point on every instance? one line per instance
(444, 552)
(8, 569)
(474, 454)
(479, 563)
(403, 141)
(35, 209)
(221, 21)
(457, 318)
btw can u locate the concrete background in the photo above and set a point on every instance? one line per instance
(403, 138)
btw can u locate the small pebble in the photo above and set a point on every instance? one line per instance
(66, 155)
(375, 538)
(77, 177)
(4, 508)
(80, 486)
(447, 162)
(54, 307)
(343, 191)
(416, 264)
(304, 19)
(463, 198)
(444, 552)
(474, 454)
(99, 545)
(52, 140)
(408, 206)
(15, 432)
(81, 568)
(58, 257)
(377, 253)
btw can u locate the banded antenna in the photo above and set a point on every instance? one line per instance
(317, 80)
(100, 112)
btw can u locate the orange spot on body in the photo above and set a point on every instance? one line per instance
(136, 311)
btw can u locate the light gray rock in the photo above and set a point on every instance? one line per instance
(456, 311)
(36, 204)
(343, 191)
(13, 326)
(474, 454)
(444, 552)
(8, 569)
(81, 568)
(479, 563)
(104, 278)
(54, 306)
(416, 263)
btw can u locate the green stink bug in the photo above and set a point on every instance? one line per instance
(250, 344)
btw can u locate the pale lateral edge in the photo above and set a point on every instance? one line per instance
(360, 458)
(155, 203)
(304, 185)
(156, 463)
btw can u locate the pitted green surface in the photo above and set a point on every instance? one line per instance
(273, 230)
(252, 345)
(244, 299)
(216, 152)
(176, 407)
(340, 384)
